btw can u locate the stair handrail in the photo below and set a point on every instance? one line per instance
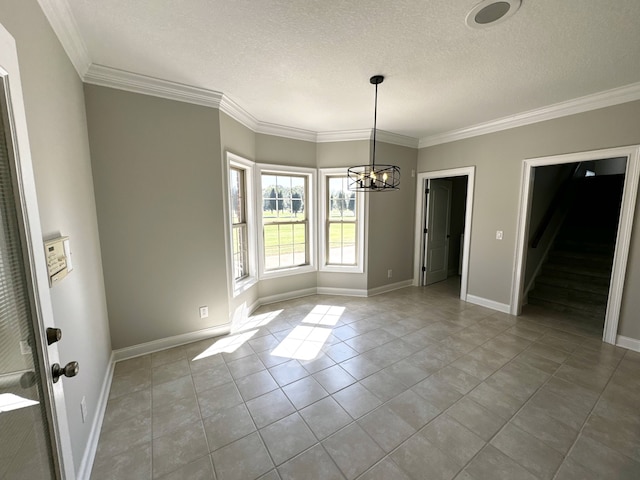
(560, 195)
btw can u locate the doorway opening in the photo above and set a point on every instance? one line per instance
(556, 229)
(444, 205)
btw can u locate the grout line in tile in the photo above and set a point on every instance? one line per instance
(586, 420)
(439, 302)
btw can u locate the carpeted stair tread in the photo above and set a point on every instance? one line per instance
(581, 283)
(603, 248)
(596, 260)
(593, 312)
(582, 269)
(569, 295)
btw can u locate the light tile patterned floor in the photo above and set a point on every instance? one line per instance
(413, 384)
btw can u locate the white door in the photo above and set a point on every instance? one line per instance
(34, 437)
(437, 235)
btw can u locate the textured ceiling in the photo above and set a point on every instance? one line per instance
(307, 63)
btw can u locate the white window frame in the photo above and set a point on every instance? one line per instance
(241, 285)
(361, 209)
(310, 209)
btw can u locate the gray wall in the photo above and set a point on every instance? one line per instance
(157, 175)
(57, 126)
(285, 151)
(238, 139)
(392, 221)
(343, 154)
(498, 160)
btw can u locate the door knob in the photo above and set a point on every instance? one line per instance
(71, 369)
(53, 335)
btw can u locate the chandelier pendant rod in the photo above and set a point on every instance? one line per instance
(370, 177)
(375, 129)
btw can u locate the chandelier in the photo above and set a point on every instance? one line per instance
(374, 177)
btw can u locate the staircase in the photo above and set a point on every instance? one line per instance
(575, 277)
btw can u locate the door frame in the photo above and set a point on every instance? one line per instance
(421, 211)
(623, 239)
(34, 255)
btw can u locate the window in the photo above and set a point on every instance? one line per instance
(342, 225)
(287, 220)
(341, 222)
(239, 237)
(242, 260)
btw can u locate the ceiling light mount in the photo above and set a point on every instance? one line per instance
(374, 177)
(491, 12)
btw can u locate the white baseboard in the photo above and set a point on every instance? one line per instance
(280, 297)
(628, 342)
(84, 473)
(252, 308)
(485, 302)
(347, 292)
(169, 342)
(389, 288)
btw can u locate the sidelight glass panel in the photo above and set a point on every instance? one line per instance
(25, 450)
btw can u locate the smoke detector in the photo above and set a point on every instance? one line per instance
(490, 12)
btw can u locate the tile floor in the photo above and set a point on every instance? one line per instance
(413, 384)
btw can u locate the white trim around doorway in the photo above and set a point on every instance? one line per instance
(632, 153)
(468, 172)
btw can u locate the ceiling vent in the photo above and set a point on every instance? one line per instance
(490, 12)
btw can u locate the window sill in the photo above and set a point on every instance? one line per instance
(342, 269)
(243, 285)
(286, 272)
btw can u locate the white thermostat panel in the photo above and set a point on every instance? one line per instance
(58, 259)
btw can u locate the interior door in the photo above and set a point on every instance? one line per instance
(34, 437)
(437, 244)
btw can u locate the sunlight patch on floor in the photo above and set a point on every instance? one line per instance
(257, 321)
(227, 344)
(324, 315)
(9, 401)
(305, 341)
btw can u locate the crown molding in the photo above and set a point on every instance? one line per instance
(136, 83)
(396, 139)
(66, 29)
(235, 111)
(608, 98)
(288, 132)
(367, 134)
(239, 114)
(61, 19)
(344, 136)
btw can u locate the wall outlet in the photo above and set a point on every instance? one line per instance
(204, 312)
(499, 234)
(389, 273)
(83, 409)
